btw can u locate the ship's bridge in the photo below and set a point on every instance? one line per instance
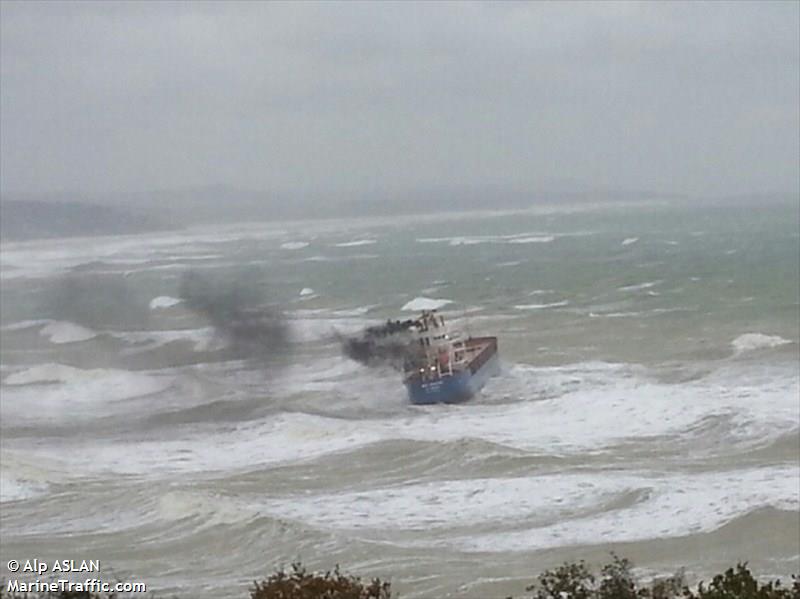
(444, 350)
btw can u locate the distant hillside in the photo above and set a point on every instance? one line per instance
(224, 204)
(32, 219)
(27, 216)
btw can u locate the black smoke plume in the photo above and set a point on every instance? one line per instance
(390, 344)
(236, 310)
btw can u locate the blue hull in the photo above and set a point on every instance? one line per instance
(459, 387)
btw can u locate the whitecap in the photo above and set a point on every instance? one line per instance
(629, 240)
(529, 237)
(12, 489)
(418, 304)
(614, 314)
(671, 505)
(540, 239)
(479, 500)
(58, 392)
(66, 332)
(755, 341)
(164, 301)
(26, 324)
(350, 244)
(204, 338)
(574, 409)
(124, 383)
(510, 263)
(468, 241)
(294, 245)
(541, 306)
(640, 286)
(341, 258)
(306, 291)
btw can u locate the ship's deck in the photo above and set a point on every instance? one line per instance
(476, 352)
(479, 350)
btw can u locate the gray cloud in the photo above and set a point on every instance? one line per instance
(698, 98)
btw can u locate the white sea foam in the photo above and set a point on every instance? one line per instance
(44, 373)
(359, 242)
(294, 245)
(306, 291)
(212, 509)
(614, 314)
(121, 383)
(419, 304)
(26, 324)
(12, 489)
(676, 505)
(346, 258)
(203, 339)
(640, 286)
(285, 438)
(164, 301)
(629, 240)
(24, 478)
(66, 332)
(539, 239)
(451, 503)
(58, 392)
(530, 237)
(556, 510)
(755, 341)
(541, 306)
(555, 411)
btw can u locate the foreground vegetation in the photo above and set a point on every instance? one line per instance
(615, 580)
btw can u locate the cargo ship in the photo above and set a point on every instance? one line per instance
(445, 366)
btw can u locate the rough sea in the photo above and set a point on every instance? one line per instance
(648, 401)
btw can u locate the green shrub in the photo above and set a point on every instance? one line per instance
(616, 580)
(299, 584)
(573, 580)
(739, 584)
(576, 581)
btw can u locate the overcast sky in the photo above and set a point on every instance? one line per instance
(696, 98)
